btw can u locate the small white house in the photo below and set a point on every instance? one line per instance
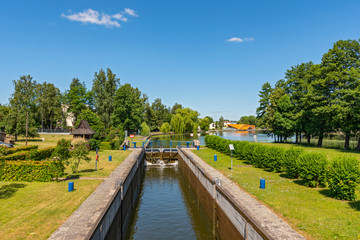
(212, 126)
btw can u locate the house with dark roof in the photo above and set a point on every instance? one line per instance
(83, 131)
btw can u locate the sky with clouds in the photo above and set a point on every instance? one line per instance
(212, 56)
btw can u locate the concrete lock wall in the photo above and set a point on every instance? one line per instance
(115, 221)
(234, 213)
(106, 212)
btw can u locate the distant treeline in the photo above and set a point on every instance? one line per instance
(109, 107)
(316, 100)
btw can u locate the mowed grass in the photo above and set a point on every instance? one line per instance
(35, 210)
(50, 140)
(310, 211)
(329, 152)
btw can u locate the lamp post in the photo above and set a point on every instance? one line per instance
(231, 149)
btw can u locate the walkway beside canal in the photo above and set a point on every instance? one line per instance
(262, 216)
(84, 219)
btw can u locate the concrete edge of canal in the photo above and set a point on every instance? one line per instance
(236, 215)
(94, 217)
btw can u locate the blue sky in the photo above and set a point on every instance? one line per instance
(179, 51)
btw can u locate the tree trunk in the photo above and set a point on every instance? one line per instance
(320, 142)
(297, 137)
(16, 137)
(358, 145)
(300, 137)
(50, 123)
(308, 139)
(347, 141)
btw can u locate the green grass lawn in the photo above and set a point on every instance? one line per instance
(310, 211)
(35, 210)
(329, 152)
(50, 140)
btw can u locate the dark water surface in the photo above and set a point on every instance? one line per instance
(168, 208)
(231, 135)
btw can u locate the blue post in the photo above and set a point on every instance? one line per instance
(134, 144)
(151, 143)
(124, 147)
(179, 143)
(143, 144)
(215, 157)
(262, 183)
(198, 147)
(110, 158)
(71, 186)
(170, 143)
(187, 144)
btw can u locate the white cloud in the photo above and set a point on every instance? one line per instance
(131, 12)
(120, 17)
(94, 17)
(240, 40)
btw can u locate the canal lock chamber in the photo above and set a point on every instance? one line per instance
(163, 200)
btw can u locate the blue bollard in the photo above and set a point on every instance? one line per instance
(110, 158)
(170, 143)
(187, 144)
(70, 186)
(134, 144)
(262, 183)
(215, 157)
(198, 147)
(179, 143)
(124, 147)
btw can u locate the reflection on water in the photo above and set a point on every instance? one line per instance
(168, 208)
(232, 135)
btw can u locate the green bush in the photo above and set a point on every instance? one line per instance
(35, 154)
(6, 151)
(28, 171)
(313, 169)
(291, 163)
(94, 144)
(343, 175)
(105, 146)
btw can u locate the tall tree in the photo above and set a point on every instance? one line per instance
(103, 90)
(48, 102)
(77, 98)
(22, 103)
(175, 107)
(4, 111)
(161, 111)
(128, 108)
(341, 72)
(298, 79)
(264, 102)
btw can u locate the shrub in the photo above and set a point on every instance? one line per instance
(313, 169)
(62, 150)
(28, 171)
(291, 163)
(94, 144)
(6, 151)
(105, 146)
(35, 154)
(79, 153)
(343, 175)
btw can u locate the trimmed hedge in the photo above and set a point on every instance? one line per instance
(35, 154)
(6, 151)
(314, 169)
(344, 174)
(106, 146)
(28, 171)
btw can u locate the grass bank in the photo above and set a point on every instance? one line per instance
(35, 210)
(50, 140)
(309, 210)
(329, 152)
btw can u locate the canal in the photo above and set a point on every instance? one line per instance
(168, 208)
(257, 136)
